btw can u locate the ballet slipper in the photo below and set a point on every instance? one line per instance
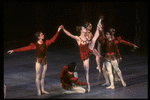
(88, 88)
(45, 92)
(98, 69)
(110, 87)
(106, 84)
(39, 93)
(124, 84)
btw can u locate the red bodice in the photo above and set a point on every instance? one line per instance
(85, 52)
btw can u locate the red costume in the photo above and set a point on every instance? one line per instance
(40, 49)
(123, 41)
(67, 79)
(110, 48)
(85, 52)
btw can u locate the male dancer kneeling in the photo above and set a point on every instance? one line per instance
(67, 78)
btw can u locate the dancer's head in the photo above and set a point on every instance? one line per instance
(81, 29)
(88, 26)
(72, 66)
(108, 34)
(112, 30)
(39, 35)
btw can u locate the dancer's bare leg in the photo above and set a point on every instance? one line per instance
(97, 55)
(42, 79)
(86, 67)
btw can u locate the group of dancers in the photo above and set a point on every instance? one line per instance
(86, 42)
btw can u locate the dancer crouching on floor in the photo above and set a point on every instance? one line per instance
(67, 78)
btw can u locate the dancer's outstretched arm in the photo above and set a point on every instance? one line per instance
(69, 34)
(27, 48)
(48, 42)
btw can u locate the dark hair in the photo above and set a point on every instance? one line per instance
(37, 34)
(87, 24)
(71, 66)
(78, 29)
(109, 30)
(112, 30)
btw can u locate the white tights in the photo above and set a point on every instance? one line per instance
(40, 74)
(108, 66)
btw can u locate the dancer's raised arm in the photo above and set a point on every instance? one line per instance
(69, 34)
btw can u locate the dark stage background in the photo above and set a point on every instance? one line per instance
(22, 19)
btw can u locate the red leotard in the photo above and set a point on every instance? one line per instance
(85, 52)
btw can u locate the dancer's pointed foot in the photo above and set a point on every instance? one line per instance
(106, 84)
(88, 88)
(45, 92)
(98, 68)
(110, 87)
(124, 84)
(39, 93)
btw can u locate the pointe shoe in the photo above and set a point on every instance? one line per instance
(45, 92)
(39, 93)
(88, 88)
(106, 84)
(98, 69)
(110, 87)
(124, 84)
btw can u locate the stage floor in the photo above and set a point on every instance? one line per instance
(19, 75)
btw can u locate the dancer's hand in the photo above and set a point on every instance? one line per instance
(10, 51)
(135, 46)
(100, 28)
(120, 59)
(60, 27)
(60, 84)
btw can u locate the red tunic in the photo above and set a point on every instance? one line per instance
(85, 52)
(40, 49)
(67, 79)
(110, 48)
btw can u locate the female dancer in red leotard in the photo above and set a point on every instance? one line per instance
(86, 48)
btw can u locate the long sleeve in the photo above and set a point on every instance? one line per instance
(124, 42)
(75, 81)
(61, 74)
(48, 42)
(27, 48)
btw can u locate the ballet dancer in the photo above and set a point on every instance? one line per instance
(112, 30)
(40, 48)
(110, 52)
(89, 36)
(86, 47)
(67, 78)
